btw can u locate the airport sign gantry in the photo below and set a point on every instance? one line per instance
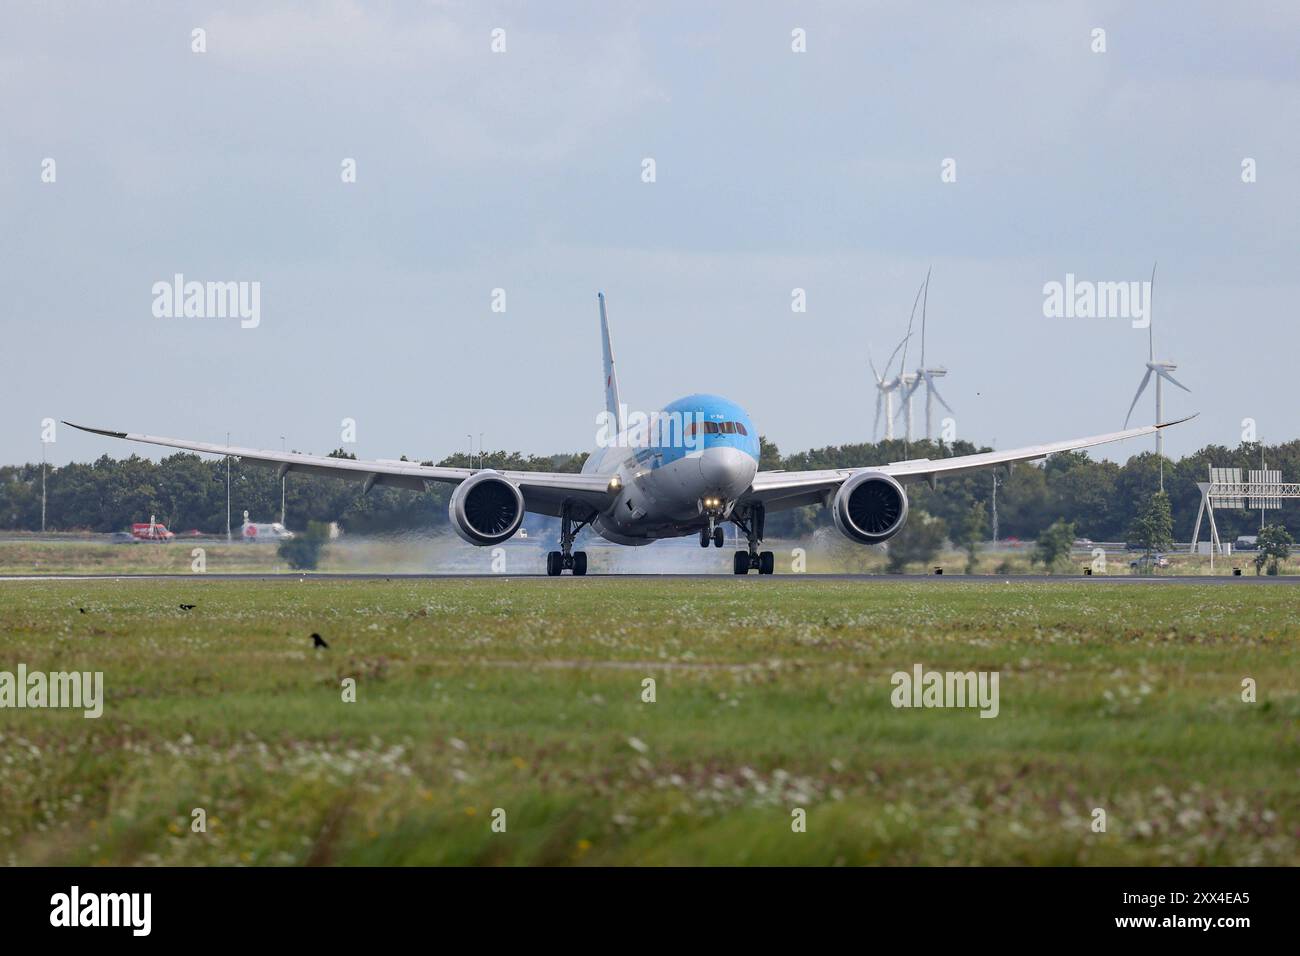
(1263, 488)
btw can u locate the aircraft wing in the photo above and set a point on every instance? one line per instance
(779, 490)
(544, 491)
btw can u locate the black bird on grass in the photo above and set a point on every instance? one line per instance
(188, 607)
(318, 641)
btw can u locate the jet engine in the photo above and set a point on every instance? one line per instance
(486, 509)
(870, 507)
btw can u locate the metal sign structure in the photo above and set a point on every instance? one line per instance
(1263, 489)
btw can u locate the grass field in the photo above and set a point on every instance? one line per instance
(771, 695)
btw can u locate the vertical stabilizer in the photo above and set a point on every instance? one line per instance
(612, 404)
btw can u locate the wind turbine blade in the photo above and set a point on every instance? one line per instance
(910, 320)
(925, 301)
(1169, 378)
(904, 396)
(1145, 378)
(874, 373)
(1151, 332)
(929, 384)
(875, 428)
(895, 352)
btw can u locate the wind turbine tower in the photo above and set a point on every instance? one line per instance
(907, 381)
(1161, 371)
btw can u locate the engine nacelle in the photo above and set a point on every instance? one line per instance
(870, 507)
(486, 509)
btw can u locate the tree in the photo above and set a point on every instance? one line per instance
(969, 532)
(1023, 502)
(1082, 490)
(1054, 544)
(1153, 530)
(1274, 543)
(302, 551)
(918, 542)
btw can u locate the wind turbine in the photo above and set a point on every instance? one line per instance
(885, 394)
(926, 375)
(1161, 371)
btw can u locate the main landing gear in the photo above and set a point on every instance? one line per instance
(566, 558)
(750, 520)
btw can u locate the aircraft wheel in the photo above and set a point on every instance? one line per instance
(741, 563)
(704, 537)
(717, 537)
(579, 563)
(554, 563)
(766, 562)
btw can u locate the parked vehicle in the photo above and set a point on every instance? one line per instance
(269, 531)
(150, 530)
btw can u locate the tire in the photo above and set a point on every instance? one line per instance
(579, 563)
(740, 565)
(766, 562)
(704, 537)
(718, 539)
(554, 563)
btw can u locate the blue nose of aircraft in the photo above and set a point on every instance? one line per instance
(727, 471)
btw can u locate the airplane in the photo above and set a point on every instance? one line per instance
(690, 474)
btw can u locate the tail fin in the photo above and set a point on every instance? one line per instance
(612, 404)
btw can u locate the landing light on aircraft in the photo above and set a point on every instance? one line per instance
(615, 484)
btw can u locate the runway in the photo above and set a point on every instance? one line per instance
(865, 579)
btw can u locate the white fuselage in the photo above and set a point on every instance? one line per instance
(665, 485)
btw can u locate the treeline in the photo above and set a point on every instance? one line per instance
(187, 492)
(1102, 498)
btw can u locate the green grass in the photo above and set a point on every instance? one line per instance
(525, 695)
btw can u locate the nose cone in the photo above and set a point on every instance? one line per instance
(727, 471)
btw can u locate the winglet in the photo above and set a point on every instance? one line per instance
(97, 431)
(1178, 421)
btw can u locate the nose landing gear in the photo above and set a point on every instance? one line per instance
(750, 520)
(715, 536)
(713, 533)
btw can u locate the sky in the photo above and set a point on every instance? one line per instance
(524, 170)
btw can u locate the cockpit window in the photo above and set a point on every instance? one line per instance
(715, 428)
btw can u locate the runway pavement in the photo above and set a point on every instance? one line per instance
(939, 580)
